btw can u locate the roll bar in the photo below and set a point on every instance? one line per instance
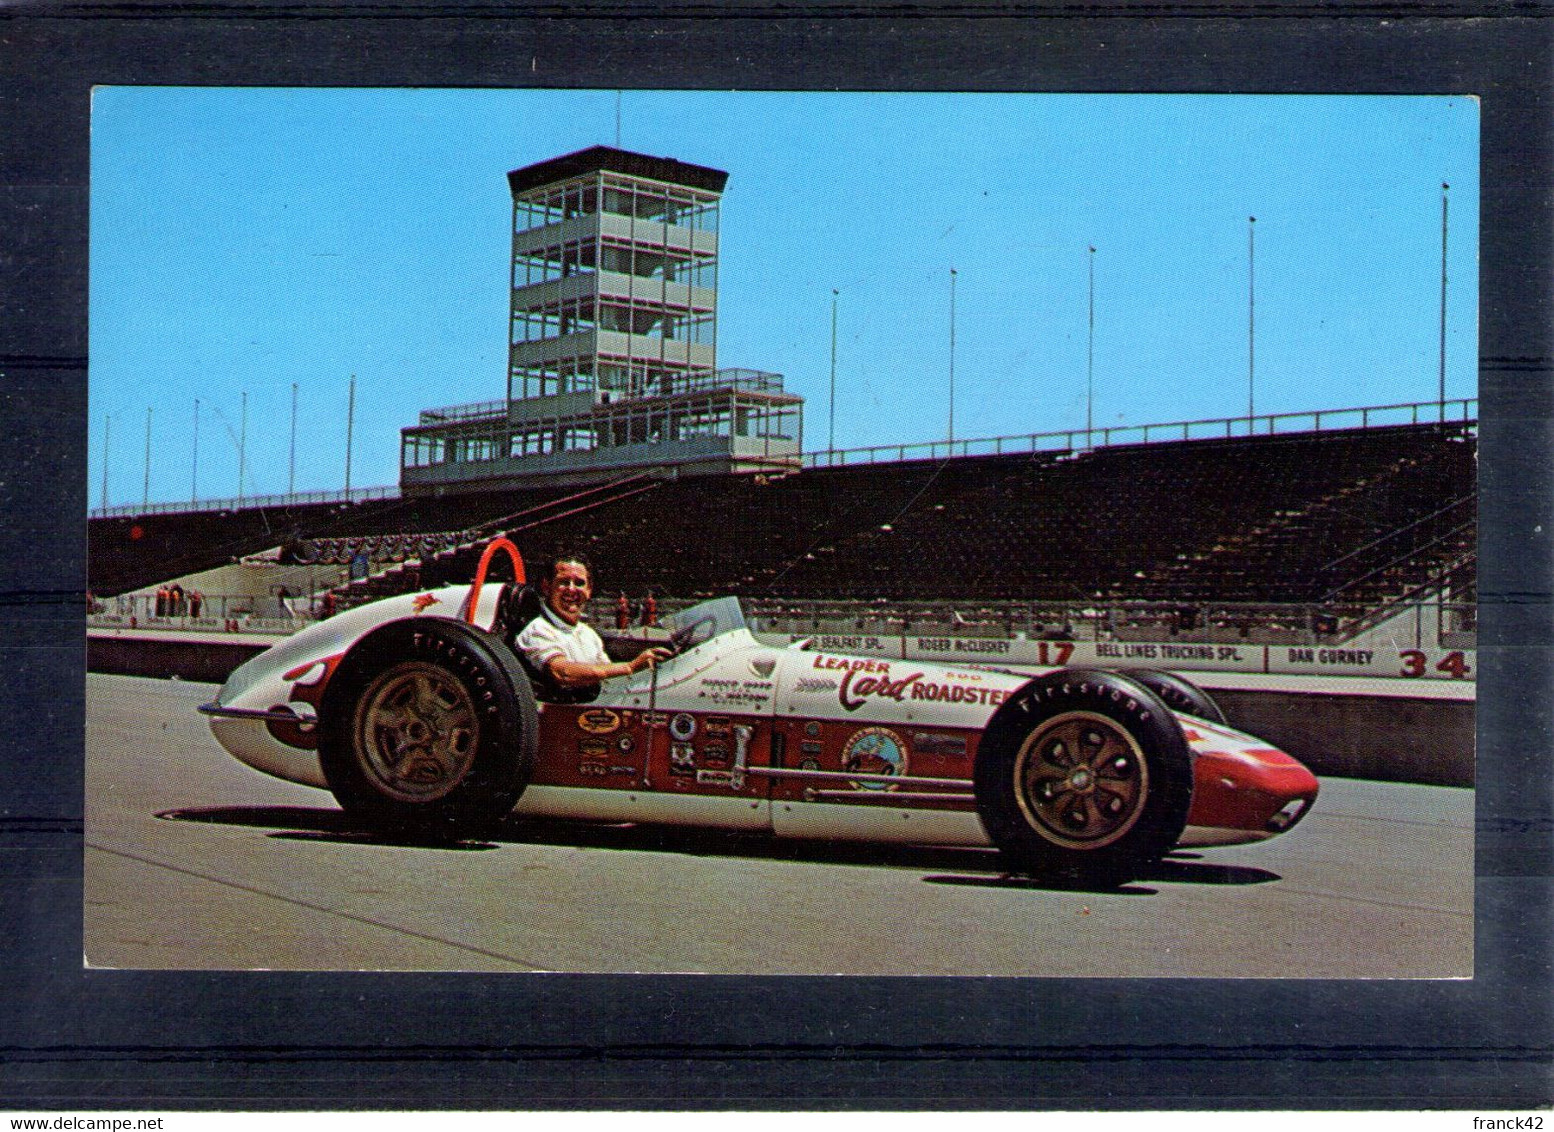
(492, 547)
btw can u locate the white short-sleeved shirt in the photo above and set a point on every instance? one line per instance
(548, 637)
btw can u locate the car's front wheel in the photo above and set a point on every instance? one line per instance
(428, 724)
(1083, 777)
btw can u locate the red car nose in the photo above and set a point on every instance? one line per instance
(1258, 789)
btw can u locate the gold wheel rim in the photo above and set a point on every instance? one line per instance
(1081, 780)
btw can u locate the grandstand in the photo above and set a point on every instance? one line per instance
(1347, 520)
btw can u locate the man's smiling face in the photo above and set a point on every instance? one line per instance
(568, 591)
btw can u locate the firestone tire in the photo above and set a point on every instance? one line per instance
(428, 725)
(1084, 778)
(1178, 694)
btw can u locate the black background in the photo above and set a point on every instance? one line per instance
(100, 1039)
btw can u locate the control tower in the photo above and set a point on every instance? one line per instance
(612, 361)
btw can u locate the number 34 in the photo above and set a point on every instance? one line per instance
(1415, 664)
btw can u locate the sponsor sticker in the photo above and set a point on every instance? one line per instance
(763, 666)
(875, 750)
(591, 769)
(626, 744)
(599, 721)
(717, 727)
(682, 727)
(715, 778)
(947, 746)
(812, 729)
(810, 750)
(735, 693)
(682, 759)
(715, 754)
(593, 748)
(809, 764)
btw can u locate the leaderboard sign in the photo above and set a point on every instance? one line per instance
(1397, 661)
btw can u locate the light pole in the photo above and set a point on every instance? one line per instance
(1251, 322)
(350, 423)
(242, 451)
(291, 470)
(831, 439)
(194, 473)
(1090, 360)
(145, 497)
(952, 361)
(107, 431)
(1444, 188)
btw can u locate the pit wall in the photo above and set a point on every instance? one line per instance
(1394, 738)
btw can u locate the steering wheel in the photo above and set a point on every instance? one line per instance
(683, 637)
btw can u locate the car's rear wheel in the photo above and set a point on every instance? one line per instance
(1083, 777)
(1178, 694)
(428, 724)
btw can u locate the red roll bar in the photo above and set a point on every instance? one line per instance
(480, 572)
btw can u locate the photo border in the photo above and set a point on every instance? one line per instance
(260, 1040)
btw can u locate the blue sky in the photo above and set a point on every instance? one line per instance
(243, 240)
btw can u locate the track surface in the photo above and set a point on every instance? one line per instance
(195, 861)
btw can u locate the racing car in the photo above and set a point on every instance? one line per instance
(417, 713)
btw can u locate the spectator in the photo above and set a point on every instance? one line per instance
(650, 609)
(622, 611)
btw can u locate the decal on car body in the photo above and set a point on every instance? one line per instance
(875, 750)
(599, 721)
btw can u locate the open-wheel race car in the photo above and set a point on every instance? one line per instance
(416, 712)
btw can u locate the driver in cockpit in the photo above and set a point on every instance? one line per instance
(559, 644)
